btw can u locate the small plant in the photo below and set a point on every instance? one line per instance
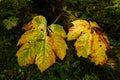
(10, 22)
(41, 44)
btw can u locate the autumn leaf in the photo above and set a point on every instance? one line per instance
(100, 44)
(90, 40)
(103, 37)
(36, 32)
(82, 44)
(46, 56)
(40, 44)
(75, 31)
(59, 44)
(98, 50)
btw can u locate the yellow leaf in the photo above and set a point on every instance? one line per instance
(38, 29)
(28, 36)
(91, 40)
(39, 45)
(59, 45)
(102, 35)
(37, 22)
(25, 55)
(83, 44)
(98, 50)
(46, 56)
(78, 27)
(100, 44)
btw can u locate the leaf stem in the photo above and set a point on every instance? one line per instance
(72, 16)
(57, 19)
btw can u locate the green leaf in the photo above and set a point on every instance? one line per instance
(10, 22)
(58, 30)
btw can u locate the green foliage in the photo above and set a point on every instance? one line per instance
(15, 9)
(10, 22)
(92, 77)
(116, 3)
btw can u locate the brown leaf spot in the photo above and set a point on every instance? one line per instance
(100, 45)
(41, 29)
(27, 27)
(99, 40)
(39, 40)
(31, 60)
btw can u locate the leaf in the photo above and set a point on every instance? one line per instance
(75, 31)
(46, 56)
(57, 29)
(82, 45)
(10, 22)
(102, 36)
(91, 41)
(39, 45)
(37, 32)
(30, 43)
(98, 50)
(59, 45)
